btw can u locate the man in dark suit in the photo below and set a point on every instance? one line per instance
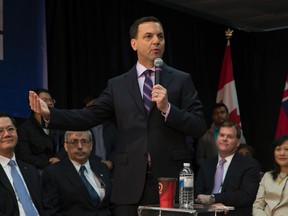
(150, 144)
(240, 177)
(10, 202)
(63, 183)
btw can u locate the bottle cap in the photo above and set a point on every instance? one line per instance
(186, 164)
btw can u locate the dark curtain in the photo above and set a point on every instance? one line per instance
(88, 43)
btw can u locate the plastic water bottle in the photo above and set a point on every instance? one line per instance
(186, 187)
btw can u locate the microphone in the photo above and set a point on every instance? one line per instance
(158, 62)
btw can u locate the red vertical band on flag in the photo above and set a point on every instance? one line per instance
(282, 127)
(226, 88)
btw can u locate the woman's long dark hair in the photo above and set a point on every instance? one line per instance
(277, 142)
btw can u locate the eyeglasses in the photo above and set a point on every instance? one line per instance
(51, 100)
(10, 130)
(75, 142)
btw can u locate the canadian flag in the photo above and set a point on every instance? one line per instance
(226, 88)
(282, 127)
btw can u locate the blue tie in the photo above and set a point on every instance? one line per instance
(21, 191)
(147, 89)
(93, 194)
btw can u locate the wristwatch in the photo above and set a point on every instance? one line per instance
(212, 199)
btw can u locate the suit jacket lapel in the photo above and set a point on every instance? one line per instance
(5, 181)
(27, 177)
(99, 174)
(131, 81)
(232, 168)
(166, 76)
(73, 176)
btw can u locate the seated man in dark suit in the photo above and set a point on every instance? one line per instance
(18, 197)
(237, 183)
(72, 193)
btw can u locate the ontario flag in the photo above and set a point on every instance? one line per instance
(227, 89)
(282, 127)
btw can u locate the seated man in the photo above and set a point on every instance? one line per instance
(229, 178)
(206, 147)
(18, 197)
(79, 184)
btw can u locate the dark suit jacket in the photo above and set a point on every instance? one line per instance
(67, 192)
(35, 146)
(138, 133)
(240, 185)
(8, 202)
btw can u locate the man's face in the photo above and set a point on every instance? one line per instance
(78, 146)
(227, 141)
(149, 43)
(46, 97)
(8, 136)
(220, 115)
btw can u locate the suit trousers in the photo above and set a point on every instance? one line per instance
(150, 196)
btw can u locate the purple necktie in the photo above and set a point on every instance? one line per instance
(218, 176)
(147, 89)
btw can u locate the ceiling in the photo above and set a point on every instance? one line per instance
(246, 15)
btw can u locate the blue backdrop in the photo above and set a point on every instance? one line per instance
(24, 49)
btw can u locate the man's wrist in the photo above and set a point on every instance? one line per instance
(211, 199)
(167, 110)
(45, 122)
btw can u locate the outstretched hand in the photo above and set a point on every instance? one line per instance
(38, 105)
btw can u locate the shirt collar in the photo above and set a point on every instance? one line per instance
(228, 159)
(4, 160)
(77, 165)
(140, 69)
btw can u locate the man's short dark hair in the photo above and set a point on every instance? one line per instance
(134, 27)
(218, 105)
(233, 124)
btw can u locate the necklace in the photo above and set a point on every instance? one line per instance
(280, 178)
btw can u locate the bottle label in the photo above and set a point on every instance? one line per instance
(186, 181)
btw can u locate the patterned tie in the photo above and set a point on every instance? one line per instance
(21, 191)
(94, 195)
(218, 176)
(147, 89)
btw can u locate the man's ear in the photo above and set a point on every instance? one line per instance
(65, 146)
(133, 43)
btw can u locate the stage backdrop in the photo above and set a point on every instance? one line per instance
(23, 53)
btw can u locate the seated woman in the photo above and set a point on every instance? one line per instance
(272, 196)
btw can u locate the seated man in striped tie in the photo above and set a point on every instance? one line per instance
(20, 183)
(229, 178)
(79, 184)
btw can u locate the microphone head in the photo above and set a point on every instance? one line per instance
(158, 62)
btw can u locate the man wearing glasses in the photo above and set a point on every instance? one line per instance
(20, 183)
(79, 184)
